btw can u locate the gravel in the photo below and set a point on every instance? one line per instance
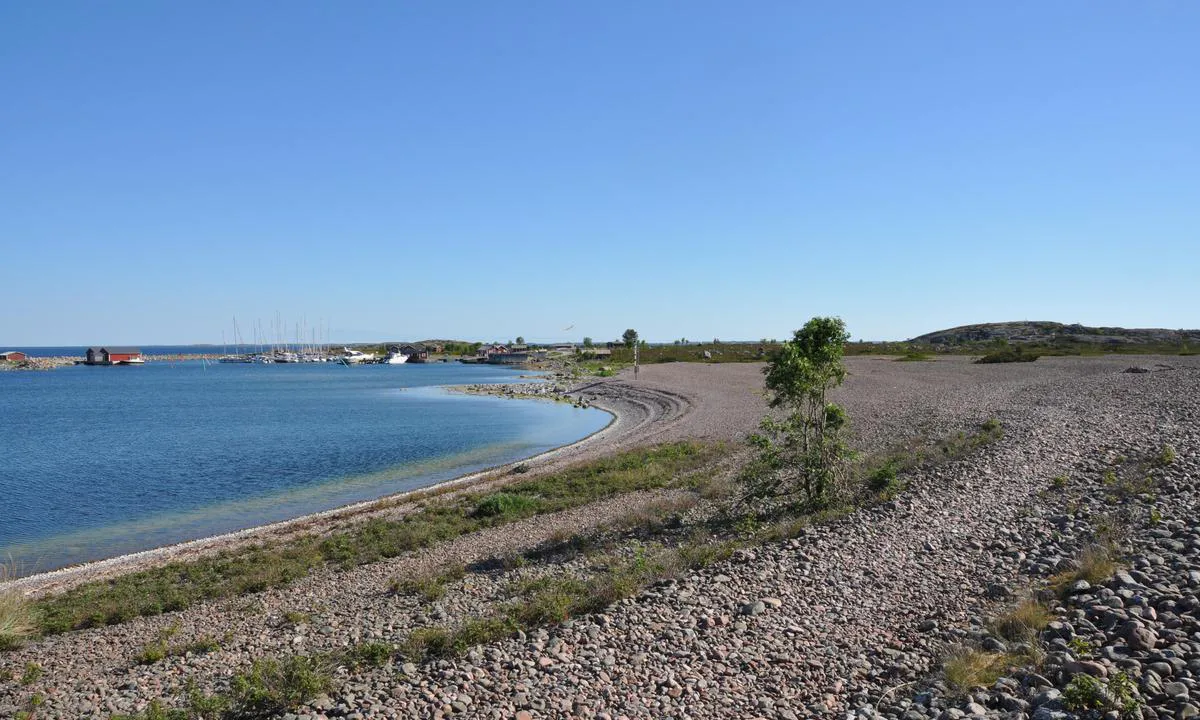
(851, 618)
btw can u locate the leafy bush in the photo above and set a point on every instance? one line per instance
(804, 454)
(1085, 692)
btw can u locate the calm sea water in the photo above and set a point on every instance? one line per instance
(101, 461)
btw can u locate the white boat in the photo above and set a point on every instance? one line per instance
(395, 357)
(356, 356)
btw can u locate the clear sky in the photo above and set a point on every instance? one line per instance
(690, 169)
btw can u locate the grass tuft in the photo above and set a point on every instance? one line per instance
(17, 617)
(967, 668)
(1023, 622)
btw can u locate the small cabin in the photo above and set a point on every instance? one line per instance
(113, 355)
(416, 352)
(12, 356)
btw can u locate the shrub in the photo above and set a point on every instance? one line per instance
(1084, 692)
(272, 687)
(804, 454)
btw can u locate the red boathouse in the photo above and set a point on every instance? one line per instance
(113, 356)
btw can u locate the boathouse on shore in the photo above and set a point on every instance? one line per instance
(12, 356)
(416, 352)
(113, 356)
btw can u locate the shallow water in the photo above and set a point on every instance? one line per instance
(101, 461)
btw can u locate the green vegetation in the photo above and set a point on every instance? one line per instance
(1166, 456)
(162, 648)
(1016, 353)
(429, 586)
(804, 455)
(373, 654)
(293, 618)
(630, 337)
(33, 673)
(503, 504)
(272, 687)
(17, 619)
(914, 356)
(555, 599)
(1086, 693)
(180, 585)
(1081, 647)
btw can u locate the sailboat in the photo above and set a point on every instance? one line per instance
(233, 358)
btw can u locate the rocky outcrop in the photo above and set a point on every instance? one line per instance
(1053, 332)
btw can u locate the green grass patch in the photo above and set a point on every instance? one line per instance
(428, 587)
(1016, 353)
(180, 585)
(17, 618)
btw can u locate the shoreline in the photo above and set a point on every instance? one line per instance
(324, 521)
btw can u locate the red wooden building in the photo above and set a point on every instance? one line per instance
(114, 356)
(12, 356)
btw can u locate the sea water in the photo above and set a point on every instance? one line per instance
(102, 461)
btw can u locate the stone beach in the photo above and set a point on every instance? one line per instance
(850, 618)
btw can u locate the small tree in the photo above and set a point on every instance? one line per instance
(587, 342)
(630, 337)
(803, 455)
(520, 340)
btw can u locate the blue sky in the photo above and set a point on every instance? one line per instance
(691, 169)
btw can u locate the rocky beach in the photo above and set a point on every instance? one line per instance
(867, 614)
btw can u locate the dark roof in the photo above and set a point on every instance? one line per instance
(116, 350)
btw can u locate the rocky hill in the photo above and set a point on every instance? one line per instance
(1052, 332)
